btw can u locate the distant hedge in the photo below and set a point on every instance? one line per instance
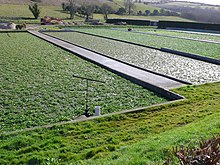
(129, 21)
(188, 25)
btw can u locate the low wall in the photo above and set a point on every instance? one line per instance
(130, 21)
(188, 25)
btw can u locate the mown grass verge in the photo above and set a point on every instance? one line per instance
(195, 47)
(152, 132)
(37, 85)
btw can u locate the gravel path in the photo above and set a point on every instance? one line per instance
(186, 69)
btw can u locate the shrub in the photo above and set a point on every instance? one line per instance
(35, 10)
(208, 153)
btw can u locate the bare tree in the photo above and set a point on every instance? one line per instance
(72, 8)
(88, 8)
(129, 5)
(106, 9)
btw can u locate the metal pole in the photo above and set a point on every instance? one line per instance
(87, 94)
(86, 113)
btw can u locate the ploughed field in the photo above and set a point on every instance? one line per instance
(189, 46)
(37, 86)
(183, 68)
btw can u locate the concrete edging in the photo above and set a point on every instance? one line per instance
(193, 56)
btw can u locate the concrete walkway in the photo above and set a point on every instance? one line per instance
(141, 77)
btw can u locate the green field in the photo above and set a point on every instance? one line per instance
(7, 10)
(21, 13)
(201, 48)
(138, 6)
(135, 138)
(37, 86)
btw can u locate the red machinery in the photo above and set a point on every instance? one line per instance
(47, 20)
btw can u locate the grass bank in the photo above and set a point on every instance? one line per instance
(133, 138)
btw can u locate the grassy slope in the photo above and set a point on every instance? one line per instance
(138, 6)
(160, 128)
(8, 10)
(12, 10)
(157, 147)
(201, 48)
(37, 87)
(153, 18)
(22, 11)
(188, 4)
(44, 2)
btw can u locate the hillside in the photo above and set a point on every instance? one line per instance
(44, 2)
(14, 10)
(178, 4)
(195, 11)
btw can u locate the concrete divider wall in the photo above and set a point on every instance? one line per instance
(130, 21)
(187, 25)
(190, 55)
(169, 95)
(161, 91)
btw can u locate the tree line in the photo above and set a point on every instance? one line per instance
(87, 8)
(200, 14)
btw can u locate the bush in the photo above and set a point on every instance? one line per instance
(121, 11)
(208, 153)
(35, 10)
